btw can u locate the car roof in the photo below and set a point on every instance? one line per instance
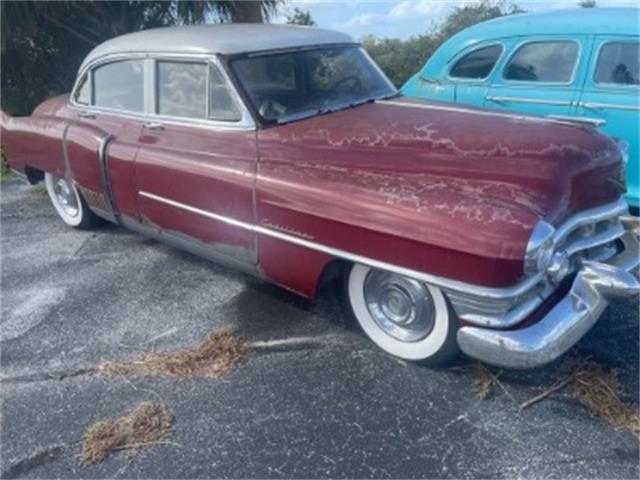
(223, 38)
(600, 21)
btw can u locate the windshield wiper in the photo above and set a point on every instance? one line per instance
(328, 109)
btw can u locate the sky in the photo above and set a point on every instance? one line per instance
(403, 18)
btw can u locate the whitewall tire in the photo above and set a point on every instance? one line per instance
(402, 316)
(68, 202)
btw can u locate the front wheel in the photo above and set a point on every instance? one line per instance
(404, 317)
(69, 203)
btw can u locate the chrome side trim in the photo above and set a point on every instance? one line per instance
(487, 292)
(596, 122)
(536, 101)
(516, 290)
(613, 106)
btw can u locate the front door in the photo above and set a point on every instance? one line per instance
(541, 76)
(612, 93)
(196, 166)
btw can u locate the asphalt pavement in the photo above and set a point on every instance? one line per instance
(324, 403)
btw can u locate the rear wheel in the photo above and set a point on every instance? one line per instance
(404, 317)
(69, 203)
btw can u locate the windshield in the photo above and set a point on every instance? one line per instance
(292, 85)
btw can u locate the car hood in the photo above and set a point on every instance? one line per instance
(434, 172)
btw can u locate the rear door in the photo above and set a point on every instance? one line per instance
(542, 75)
(112, 96)
(196, 165)
(612, 93)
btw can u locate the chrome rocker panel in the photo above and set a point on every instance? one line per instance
(595, 285)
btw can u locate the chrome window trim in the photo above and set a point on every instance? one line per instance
(511, 292)
(456, 58)
(517, 48)
(247, 122)
(613, 106)
(609, 85)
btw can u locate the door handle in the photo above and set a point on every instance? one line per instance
(85, 114)
(534, 101)
(153, 126)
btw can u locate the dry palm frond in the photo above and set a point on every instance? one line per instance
(145, 424)
(596, 388)
(599, 390)
(212, 358)
(484, 380)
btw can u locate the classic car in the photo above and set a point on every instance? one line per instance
(576, 63)
(285, 152)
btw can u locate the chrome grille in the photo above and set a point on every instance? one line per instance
(593, 234)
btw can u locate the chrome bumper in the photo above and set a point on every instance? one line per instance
(595, 285)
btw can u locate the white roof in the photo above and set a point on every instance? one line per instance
(222, 38)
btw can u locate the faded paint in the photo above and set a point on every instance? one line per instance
(448, 192)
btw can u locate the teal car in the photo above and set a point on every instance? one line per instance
(578, 64)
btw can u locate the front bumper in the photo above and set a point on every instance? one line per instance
(595, 285)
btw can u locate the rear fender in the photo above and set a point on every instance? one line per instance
(63, 148)
(33, 142)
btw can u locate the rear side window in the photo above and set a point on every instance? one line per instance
(618, 63)
(120, 85)
(477, 64)
(543, 62)
(182, 89)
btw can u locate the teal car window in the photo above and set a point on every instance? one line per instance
(477, 64)
(618, 63)
(543, 62)
(120, 85)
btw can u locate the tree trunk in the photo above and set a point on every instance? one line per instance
(245, 11)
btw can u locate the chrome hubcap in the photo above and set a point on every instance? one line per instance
(66, 196)
(402, 307)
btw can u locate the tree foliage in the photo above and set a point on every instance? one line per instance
(400, 59)
(43, 43)
(300, 17)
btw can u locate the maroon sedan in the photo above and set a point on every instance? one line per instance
(285, 152)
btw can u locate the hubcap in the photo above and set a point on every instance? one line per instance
(66, 196)
(402, 307)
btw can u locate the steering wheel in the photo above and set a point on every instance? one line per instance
(272, 110)
(350, 78)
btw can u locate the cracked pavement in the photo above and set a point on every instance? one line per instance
(319, 402)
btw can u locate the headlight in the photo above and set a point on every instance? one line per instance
(623, 148)
(539, 249)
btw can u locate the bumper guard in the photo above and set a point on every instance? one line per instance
(595, 285)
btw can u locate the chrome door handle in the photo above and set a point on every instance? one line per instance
(153, 126)
(491, 98)
(85, 114)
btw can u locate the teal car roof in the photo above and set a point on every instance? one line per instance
(601, 21)
(585, 21)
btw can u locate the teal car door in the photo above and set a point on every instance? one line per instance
(612, 93)
(542, 75)
(471, 71)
